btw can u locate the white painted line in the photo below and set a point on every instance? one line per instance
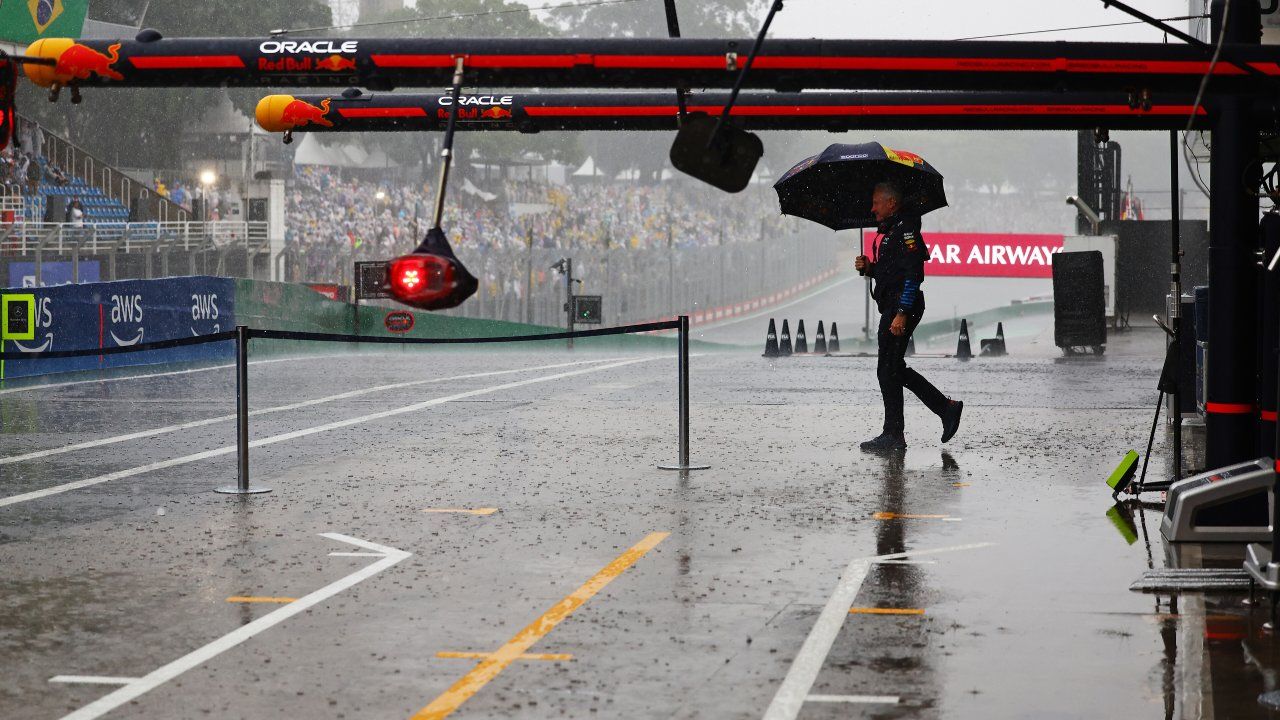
(813, 653)
(164, 674)
(37, 454)
(92, 679)
(861, 699)
(354, 554)
(906, 562)
(173, 462)
(950, 519)
(49, 386)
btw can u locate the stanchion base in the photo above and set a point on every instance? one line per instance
(684, 467)
(237, 490)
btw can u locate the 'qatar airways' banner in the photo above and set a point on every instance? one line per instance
(986, 254)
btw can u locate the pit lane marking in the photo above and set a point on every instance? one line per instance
(795, 688)
(554, 657)
(92, 679)
(858, 699)
(226, 450)
(191, 371)
(489, 668)
(885, 611)
(909, 516)
(265, 411)
(135, 688)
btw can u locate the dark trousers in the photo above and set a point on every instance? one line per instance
(893, 373)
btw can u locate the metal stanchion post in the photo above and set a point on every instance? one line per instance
(684, 401)
(242, 486)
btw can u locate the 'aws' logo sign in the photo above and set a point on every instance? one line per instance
(127, 310)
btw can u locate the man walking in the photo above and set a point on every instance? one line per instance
(897, 270)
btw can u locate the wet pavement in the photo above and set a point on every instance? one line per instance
(798, 577)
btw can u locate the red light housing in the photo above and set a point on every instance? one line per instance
(430, 278)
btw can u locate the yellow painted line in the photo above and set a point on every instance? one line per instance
(489, 668)
(256, 599)
(886, 611)
(555, 657)
(462, 511)
(897, 516)
(959, 484)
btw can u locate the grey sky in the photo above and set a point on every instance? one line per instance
(950, 19)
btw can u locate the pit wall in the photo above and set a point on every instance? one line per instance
(129, 312)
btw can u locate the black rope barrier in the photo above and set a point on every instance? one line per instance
(336, 337)
(385, 340)
(121, 350)
(242, 334)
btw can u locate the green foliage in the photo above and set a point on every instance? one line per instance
(647, 18)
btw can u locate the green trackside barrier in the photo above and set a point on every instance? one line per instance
(268, 305)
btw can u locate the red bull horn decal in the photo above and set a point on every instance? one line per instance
(280, 113)
(336, 63)
(80, 62)
(299, 113)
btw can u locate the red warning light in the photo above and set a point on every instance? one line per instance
(431, 278)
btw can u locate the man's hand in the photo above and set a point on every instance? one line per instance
(899, 325)
(860, 264)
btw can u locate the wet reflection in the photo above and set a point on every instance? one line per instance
(948, 462)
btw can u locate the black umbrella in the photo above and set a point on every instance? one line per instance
(834, 187)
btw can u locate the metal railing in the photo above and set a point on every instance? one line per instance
(139, 197)
(144, 249)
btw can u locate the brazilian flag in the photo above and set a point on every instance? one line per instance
(22, 22)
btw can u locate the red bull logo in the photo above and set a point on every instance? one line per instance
(300, 113)
(73, 61)
(280, 113)
(336, 63)
(476, 114)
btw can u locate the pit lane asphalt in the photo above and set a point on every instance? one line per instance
(1026, 614)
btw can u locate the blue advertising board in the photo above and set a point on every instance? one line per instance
(23, 274)
(128, 312)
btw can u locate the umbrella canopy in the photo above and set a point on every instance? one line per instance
(834, 187)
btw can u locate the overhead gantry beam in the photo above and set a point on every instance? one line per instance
(783, 64)
(534, 111)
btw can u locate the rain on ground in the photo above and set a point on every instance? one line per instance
(484, 533)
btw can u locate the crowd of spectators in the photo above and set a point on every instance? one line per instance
(325, 209)
(23, 165)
